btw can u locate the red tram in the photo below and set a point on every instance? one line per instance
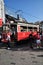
(22, 30)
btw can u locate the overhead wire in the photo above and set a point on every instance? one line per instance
(23, 12)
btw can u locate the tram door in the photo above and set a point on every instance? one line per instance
(13, 28)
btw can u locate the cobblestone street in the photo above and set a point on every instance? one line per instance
(21, 57)
(21, 32)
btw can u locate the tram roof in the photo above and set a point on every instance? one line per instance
(8, 17)
(11, 18)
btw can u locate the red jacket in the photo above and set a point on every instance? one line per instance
(38, 36)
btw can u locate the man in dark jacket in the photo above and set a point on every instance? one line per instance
(31, 41)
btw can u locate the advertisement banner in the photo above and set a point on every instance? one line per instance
(1, 22)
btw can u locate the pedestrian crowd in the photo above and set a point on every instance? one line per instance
(35, 38)
(6, 39)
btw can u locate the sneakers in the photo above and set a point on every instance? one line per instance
(37, 47)
(8, 48)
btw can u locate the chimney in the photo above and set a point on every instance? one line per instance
(18, 16)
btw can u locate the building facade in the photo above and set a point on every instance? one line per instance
(2, 11)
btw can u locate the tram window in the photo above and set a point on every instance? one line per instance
(5, 27)
(13, 28)
(30, 28)
(23, 29)
(35, 28)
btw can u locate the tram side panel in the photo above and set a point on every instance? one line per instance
(22, 35)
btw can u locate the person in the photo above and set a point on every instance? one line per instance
(42, 39)
(13, 38)
(0, 39)
(31, 41)
(34, 37)
(8, 40)
(38, 40)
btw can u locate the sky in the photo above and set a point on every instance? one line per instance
(31, 10)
